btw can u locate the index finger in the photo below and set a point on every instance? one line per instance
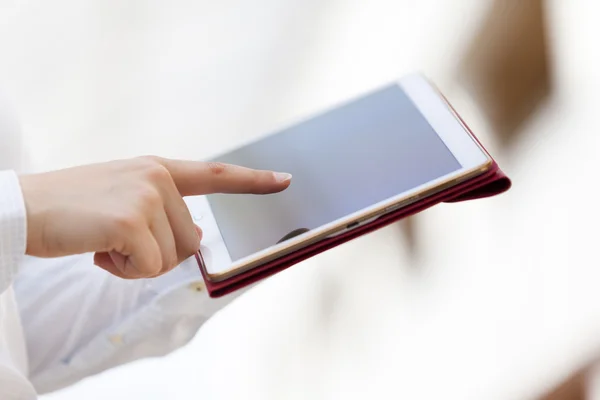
(196, 178)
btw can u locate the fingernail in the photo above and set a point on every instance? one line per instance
(281, 177)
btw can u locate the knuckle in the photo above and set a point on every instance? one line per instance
(153, 268)
(157, 173)
(149, 160)
(127, 223)
(152, 168)
(149, 197)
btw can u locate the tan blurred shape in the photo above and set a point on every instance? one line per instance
(409, 227)
(574, 388)
(506, 67)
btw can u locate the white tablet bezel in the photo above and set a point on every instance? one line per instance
(471, 156)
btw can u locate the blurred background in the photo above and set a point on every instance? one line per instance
(492, 299)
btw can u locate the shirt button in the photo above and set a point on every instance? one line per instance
(116, 339)
(197, 217)
(198, 286)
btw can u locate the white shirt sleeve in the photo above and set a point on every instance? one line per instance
(13, 228)
(79, 320)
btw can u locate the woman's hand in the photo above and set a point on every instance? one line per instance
(130, 212)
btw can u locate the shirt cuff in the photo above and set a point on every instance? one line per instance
(182, 290)
(13, 228)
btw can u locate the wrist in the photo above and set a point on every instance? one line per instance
(31, 188)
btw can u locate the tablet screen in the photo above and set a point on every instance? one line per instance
(342, 161)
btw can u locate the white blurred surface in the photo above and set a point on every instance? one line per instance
(503, 301)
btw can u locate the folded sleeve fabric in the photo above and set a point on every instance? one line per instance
(79, 320)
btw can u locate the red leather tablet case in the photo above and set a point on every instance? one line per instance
(490, 183)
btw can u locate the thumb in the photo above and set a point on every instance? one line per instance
(196, 178)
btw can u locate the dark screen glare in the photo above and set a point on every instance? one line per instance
(342, 161)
